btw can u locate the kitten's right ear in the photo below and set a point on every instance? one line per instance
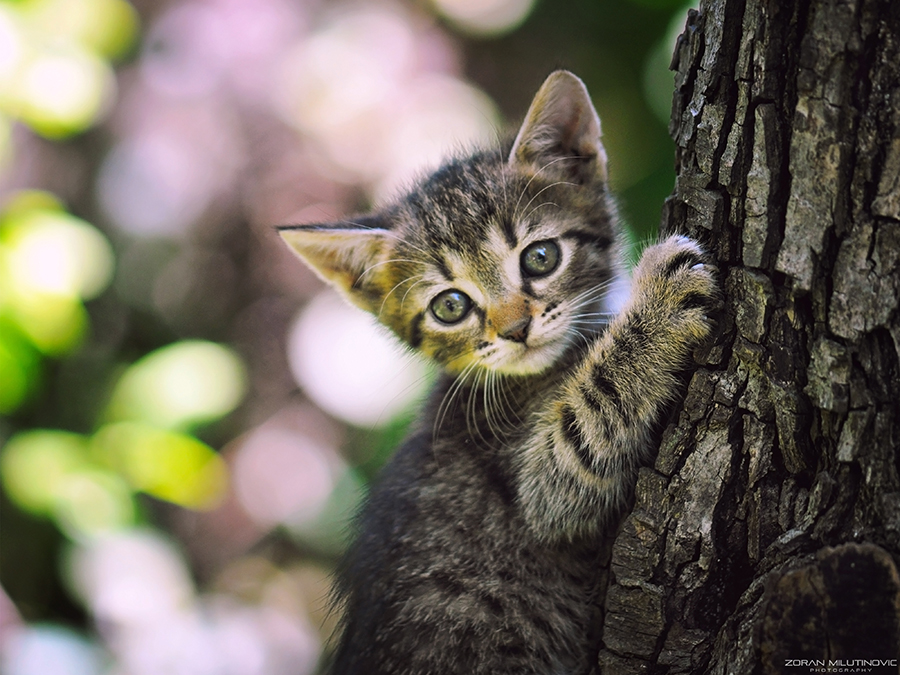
(561, 130)
(341, 254)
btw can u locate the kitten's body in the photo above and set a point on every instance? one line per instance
(477, 550)
(447, 578)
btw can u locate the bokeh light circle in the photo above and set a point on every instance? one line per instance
(485, 17)
(349, 365)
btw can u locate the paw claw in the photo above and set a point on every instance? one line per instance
(679, 283)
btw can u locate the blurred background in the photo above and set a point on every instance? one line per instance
(187, 418)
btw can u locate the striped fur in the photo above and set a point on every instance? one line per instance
(476, 551)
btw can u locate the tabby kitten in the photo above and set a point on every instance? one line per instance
(476, 551)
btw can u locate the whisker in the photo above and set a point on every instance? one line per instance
(346, 221)
(594, 318)
(486, 395)
(424, 377)
(530, 180)
(582, 315)
(547, 187)
(602, 287)
(509, 406)
(471, 420)
(587, 339)
(449, 396)
(384, 262)
(589, 315)
(593, 329)
(480, 382)
(588, 298)
(530, 213)
(587, 302)
(504, 405)
(396, 286)
(426, 252)
(403, 299)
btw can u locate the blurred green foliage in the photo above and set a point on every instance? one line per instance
(56, 77)
(55, 72)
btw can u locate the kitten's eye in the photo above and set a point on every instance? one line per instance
(540, 258)
(450, 306)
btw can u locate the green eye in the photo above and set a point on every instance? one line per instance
(450, 306)
(540, 258)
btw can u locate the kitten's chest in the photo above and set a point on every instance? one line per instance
(492, 412)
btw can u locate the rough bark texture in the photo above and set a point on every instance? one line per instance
(769, 528)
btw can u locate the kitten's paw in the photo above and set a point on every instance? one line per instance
(676, 283)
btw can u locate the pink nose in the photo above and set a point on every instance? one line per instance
(517, 332)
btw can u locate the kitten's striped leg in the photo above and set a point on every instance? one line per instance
(578, 466)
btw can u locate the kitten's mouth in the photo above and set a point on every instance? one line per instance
(524, 359)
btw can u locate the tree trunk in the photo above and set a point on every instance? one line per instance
(768, 531)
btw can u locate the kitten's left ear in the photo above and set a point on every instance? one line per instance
(562, 129)
(342, 255)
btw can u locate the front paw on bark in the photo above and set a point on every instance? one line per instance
(678, 284)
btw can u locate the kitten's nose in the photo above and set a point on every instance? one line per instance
(517, 332)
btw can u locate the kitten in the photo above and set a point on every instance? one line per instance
(477, 548)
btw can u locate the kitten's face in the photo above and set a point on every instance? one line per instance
(499, 261)
(497, 268)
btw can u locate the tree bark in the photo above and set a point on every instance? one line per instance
(768, 530)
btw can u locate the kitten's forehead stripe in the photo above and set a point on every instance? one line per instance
(588, 238)
(509, 232)
(444, 268)
(458, 204)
